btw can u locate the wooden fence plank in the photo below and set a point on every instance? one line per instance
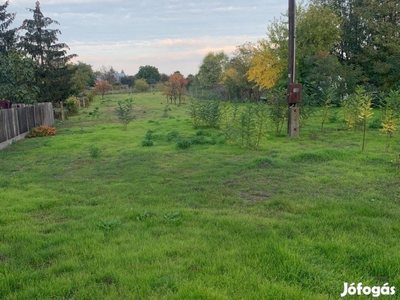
(16, 122)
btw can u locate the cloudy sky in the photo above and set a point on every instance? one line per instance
(168, 34)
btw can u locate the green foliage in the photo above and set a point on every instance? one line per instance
(183, 143)
(369, 40)
(94, 152)
(325, 112)
(149, 134)
(246, 125)
(172, 136)
(108, 225)
(235, 82)
(203, 133)
(72, 106)
(95, 113)
(375, 124)
(205, 113)
(52, 76)
(128, 80)
(147, 143)
(8, 37)
(149, 73)
(124, 112)
(198, 140)
(396, 162)
(17, 80)
(82, 78)
(350, 109)
(89, 97)
(211, 69)
(390, 114)
(278, 108)
(141, 85)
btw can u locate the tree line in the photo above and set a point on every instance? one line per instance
(340, 44)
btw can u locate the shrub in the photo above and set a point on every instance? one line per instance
(42, 131)
(183, 143)
(89, 97)
(203, 133)
(72, 106)
(124, 112)
(205, 113)
(95, 113)
(198, 140)
(149, 135)
(147, 143)
(172, 136)
(141, 85)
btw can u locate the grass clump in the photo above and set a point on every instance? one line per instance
(94, 152)
(183, 143)
(147, 143)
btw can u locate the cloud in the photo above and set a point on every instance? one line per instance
(234, 8)
(169, 34)
(168, 55)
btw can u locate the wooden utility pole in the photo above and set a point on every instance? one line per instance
(294, 90)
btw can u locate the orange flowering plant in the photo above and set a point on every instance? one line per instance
(42, 131)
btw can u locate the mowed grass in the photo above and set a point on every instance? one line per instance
(92, 214)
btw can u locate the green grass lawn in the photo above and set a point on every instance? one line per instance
(92, 214)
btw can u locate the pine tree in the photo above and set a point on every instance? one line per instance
(50, 58)
(7, 36)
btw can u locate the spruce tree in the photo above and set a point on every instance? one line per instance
(7, 36)
(40, 43)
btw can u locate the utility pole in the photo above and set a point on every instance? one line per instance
(294, 90)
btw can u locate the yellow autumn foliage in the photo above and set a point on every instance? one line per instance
(266, 67)
(389, 122)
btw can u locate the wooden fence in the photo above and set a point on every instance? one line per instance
(16, 122)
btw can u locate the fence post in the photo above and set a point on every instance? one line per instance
(62, 111)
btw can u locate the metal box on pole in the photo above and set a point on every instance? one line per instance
(295, 90)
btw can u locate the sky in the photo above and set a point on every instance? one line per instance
(172, 35)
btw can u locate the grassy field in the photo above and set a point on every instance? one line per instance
(92, 214)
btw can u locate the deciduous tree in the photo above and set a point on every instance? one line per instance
(108, 74)
(149, 73)
(175, 88)
(369, 40)
(266, 67)
(17, 81)
(102, 87)
(235, 79)
(212, 68)
(83, 77)
(128, 80)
